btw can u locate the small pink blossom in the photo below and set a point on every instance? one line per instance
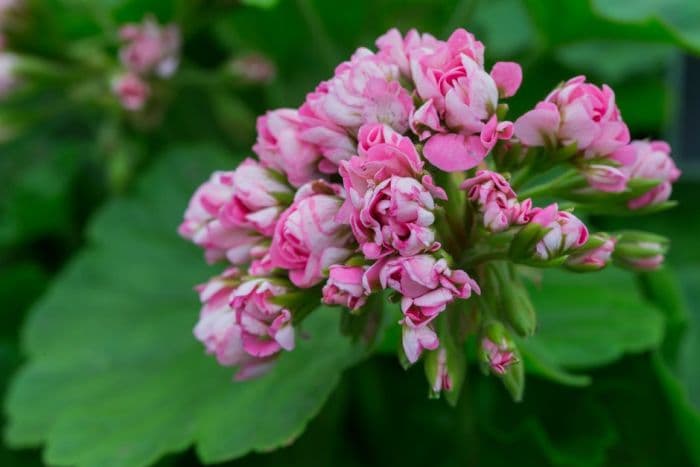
(365, 89)
(256, 201)
(329, 139)
(416, 339)
(218, 330)
(441, 379)
(606, 178)
(640, 251)
(426, 285)
(593, 258)
(395, 216)
(280, 146)
(576, 112)
(566, 232)
(344, 287)
(456, 90)
(383, 154)
(205, 224)
(650, 263)
(649, 160)
(498, 355)
(496, 201)
(150, 48)
(307, 239)
(396, 49)
(132, 91)
(266, 327)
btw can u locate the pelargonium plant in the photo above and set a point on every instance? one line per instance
(401, 179)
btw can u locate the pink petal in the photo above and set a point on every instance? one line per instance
(508, 76)
(453, 152)
(536, 125)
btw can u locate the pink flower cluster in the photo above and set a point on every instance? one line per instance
(585, 116)
(148, 50)
(348, 197)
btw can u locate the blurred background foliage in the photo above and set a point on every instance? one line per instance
(90, 196)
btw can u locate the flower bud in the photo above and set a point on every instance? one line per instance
(344, 287)
(446, 366)
(8, 73)
(605, 178)
(640, 251)
(497, 349)
(132, 91)
(499, 353)
(253, 68)
(594, 255)
(564, 232)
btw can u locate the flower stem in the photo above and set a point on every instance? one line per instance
(563, 181)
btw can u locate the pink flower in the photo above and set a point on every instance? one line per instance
(576, 112)
(566, 232)
(649, 160)
(280, 146)
(366, 90)
(328, 138)
(383, 154)
(150, 48)
(416, 339)
(592, 259)
(217, 328)
(307, 239)
(450, 78)
(132, 91)
(344, 287)
(257, 199)
(606, 178)
(441, 378)
(205, 226)
(363, 90)
(496, 201)
(426, 285)
(396, 49)
(395, 216)
(266, 327)
(499, 356)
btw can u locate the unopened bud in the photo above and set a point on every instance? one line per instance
(640, 251)
(594, 255)
(497, 349)
(253, 68)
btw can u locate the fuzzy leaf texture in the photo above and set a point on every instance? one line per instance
(115, 377)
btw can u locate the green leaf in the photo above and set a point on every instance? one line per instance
(115, 377)
(572, 21)
(513, 33)
(537, 362)
(679, 18)
(589, 320)
(613, 61)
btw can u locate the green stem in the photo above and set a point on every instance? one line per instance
(470, 260)
(565, 180)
